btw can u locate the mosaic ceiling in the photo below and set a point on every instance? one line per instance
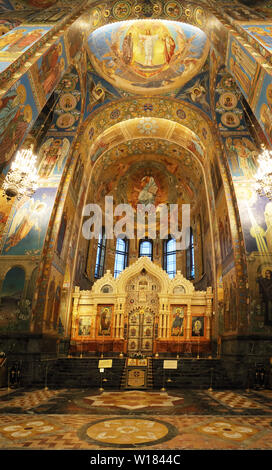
(174, 172)
(142, 56)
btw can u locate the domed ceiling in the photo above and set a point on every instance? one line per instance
(153, 56)
(171, 174)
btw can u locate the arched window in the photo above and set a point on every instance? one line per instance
(146, 248)
(190, 258)
(121, 255)
(169, 257)
(100, 255)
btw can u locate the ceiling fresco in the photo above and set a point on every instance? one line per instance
(146, 127)
(172, 173)
(117, 123)
(172, 155)
(197, 91)
(143, 56)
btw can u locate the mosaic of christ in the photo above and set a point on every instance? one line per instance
(148, 54)
(146, 183)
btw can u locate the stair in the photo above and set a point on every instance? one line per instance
(123, 378)
(84, 373)
(149, 377)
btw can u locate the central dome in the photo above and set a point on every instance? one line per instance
(151, 56)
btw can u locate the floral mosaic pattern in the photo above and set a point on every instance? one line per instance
(133, 400)
(27, 429)
(228, 430)
(128, 431)
(147, 126)
(162, 428)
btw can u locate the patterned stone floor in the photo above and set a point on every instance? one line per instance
(72, 419)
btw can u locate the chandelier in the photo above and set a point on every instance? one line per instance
(22, 178)
(263, 177)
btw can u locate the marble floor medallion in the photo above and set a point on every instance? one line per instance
(228, 430)
(127, 432)
(131, 400)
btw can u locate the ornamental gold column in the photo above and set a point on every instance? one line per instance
(188, 321)
(120, 317)
(208, 312)
(93, 312)
(76, 297)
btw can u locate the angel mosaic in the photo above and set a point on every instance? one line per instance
(242, 154)
(28, 217)
(198, 94)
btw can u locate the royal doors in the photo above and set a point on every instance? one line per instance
(140, 332)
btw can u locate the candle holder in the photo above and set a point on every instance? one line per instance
(9, 388)
(198, 344)
(102, 352)
(163, 382)
(101, 389)
(45, 379)
(211, 380)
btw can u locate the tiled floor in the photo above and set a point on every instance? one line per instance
(92, 419)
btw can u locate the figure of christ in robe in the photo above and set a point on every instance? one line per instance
(148, 40)
(148, 191)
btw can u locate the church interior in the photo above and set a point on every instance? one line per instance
(121, 337)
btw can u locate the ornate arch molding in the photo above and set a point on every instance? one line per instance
(170, 109)
(147, 127)
(119, 284)
(151, 268)
(16, 262)
(106, 280)
(179, 282)
(165, 129)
